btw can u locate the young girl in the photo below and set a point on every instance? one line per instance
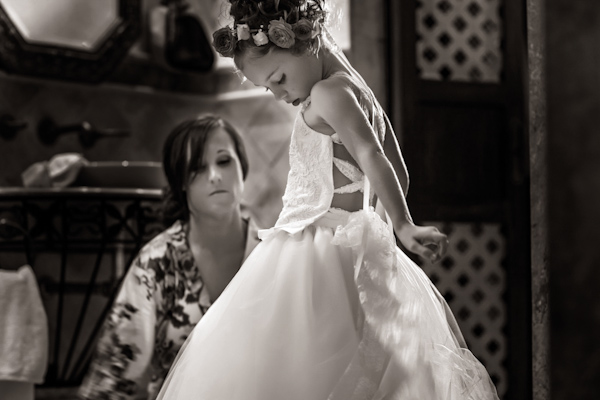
(327, 307)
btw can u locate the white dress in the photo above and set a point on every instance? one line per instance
(327, 307)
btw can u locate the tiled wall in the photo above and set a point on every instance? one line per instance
(149, 116)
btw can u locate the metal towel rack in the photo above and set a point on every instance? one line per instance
(8, 228)
(62, 228)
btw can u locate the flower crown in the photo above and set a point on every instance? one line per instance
(279, 32)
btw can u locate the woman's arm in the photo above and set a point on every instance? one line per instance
(340, 109)
(123, 354)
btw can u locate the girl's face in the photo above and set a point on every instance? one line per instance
(288, 76)
(215, 189)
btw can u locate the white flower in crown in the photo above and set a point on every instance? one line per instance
(260, 38)
(243, 32)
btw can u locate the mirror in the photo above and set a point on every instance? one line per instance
(67, 39)
(71, 23)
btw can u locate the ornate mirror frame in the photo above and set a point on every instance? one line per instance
(66, 63)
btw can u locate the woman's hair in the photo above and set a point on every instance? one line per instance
(183, 153)
(262, 26)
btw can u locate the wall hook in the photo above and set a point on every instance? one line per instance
(10, 126)
(48, 132)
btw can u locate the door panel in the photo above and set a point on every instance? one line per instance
(462, 177)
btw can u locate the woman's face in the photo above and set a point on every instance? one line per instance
(216, 188)
(288, 76)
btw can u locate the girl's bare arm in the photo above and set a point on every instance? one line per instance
(340, 109)
(392, 151)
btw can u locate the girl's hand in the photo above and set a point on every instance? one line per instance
(425, 241)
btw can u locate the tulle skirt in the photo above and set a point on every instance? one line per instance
(334, 312)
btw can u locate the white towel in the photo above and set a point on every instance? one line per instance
(23, 327)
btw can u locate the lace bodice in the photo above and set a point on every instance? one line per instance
(310, 186)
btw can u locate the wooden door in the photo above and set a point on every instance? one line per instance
(457, 98)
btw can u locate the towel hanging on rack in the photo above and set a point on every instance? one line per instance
(23, 327)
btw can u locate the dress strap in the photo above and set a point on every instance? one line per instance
(366, 208)
(366, 191)
(350, 172)
(366, 205)
(305, 103)
(335, 138)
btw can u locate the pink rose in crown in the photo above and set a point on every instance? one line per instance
(224, 41)
(281, 33)
(303, 29)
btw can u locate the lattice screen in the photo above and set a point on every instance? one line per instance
(472, 279)
(459, 40)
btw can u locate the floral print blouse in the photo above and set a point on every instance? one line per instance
(160, 301)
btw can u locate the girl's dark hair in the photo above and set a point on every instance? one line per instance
(179, 165)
